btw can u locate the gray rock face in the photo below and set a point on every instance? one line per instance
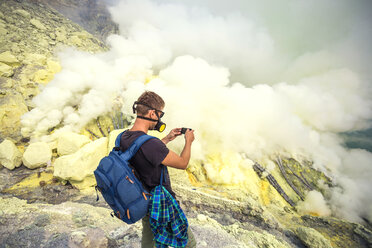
(92, 15)
(312, 238)
(58, 240)
(37, 24)
(30, 236)
(81, 225)
(42, 225)
(22, 13)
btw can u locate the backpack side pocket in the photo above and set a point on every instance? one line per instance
(104, 185)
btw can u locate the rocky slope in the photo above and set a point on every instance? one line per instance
(30, 36)
(48, 201)
(92, 15)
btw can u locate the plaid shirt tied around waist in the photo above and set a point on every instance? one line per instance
(167, 220)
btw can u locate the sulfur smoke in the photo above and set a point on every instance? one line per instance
(258, 79)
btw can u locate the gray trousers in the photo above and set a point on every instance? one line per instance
(147, 236)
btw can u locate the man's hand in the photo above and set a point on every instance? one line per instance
(189, 136)
(172, 135)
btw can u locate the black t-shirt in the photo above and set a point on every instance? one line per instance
(147, 161)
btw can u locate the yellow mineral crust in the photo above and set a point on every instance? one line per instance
(12, 107)
(265, 195)
(82, 163)
(31, 182)
(227, 168)
(106, 124)
(234, 174)
(10, 156)
(46, 75)
(86, 186)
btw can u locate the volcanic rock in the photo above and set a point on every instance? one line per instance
(34, 59)
(6, 70)
(10, 156)
(36, 155)
(92, 15)
(27, 56)
(312, 238)
(82, 163)
(69, 143)
(8, 58)
(64, 225)
(12, 107)
(37, 24)
(22, 13)
(3, 30)
(263, 239)
(112, 137)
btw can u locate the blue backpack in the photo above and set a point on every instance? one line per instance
(118, 184)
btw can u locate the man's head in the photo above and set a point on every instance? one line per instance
(152, 100)
(149, 106)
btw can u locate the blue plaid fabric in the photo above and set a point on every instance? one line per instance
(167, 220)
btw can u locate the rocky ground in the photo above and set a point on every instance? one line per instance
(49, 212)
(44, 203)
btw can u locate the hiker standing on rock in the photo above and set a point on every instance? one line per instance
(149, 161)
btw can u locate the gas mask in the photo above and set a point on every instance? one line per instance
(160, 126)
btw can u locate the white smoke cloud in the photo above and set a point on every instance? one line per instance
(169, 30)
(86, 88)
(253, 38)
(306, 83)
(314, 203)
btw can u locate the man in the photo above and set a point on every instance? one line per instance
(154, 153)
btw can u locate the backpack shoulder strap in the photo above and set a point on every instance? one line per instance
(138, 143)
(133, 148)
(118, 139)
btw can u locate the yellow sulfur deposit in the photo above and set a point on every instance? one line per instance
(227, 168)
(231, 175)
(10, 156)
(11, 109)
(8, 58)
(105, 123)
(86, 186)
(46, 75)
(69, 142)
(264, 189)
(32, 181)
(36, 155)
(82, 163)
(112, 138)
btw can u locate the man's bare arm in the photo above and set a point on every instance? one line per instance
(181, 161)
